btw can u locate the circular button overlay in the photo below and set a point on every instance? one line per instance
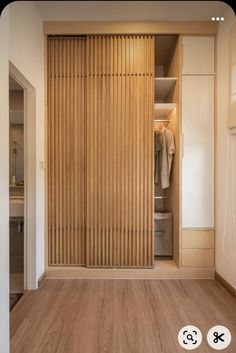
(219, 337)
(190, 337)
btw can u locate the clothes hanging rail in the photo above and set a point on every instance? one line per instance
(160, 197)
(161, 120)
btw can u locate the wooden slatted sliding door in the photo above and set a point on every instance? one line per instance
(66, 150)
(119, 130)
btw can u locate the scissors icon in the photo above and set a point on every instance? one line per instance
(217, 337)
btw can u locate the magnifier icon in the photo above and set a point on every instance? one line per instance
(190, 337)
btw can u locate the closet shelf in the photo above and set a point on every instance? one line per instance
(16, 116)
(162, 110)
(163, 85)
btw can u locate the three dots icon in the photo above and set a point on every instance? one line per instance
(217, 18)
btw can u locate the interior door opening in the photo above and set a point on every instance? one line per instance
(16, 190)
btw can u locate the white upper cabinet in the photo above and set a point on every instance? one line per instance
(198, 132)
(198, 151)
(198, 55)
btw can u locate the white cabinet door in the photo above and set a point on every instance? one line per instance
(198, 149)
(198, 55)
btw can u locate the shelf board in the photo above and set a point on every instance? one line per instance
(163, 85)
(16, 116)
(162, 110)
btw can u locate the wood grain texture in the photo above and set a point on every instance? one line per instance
(100, 165)
(198, 239)
(66, 150)
(119, 119)
(118, 316)
(198, 257)
(126, 27)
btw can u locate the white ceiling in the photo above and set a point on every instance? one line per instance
(130, 10)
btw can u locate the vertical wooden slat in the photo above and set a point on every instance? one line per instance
(71, 149)
(88, 161)
(66, 151)
(115, 108)
(151, 164)
(103, 127)
(64, 155)
(67, 160)
(50, 90)
(58, 152)
(145, 157)
(137, 145)
(145, 153)
(55, 180)
(113, 223)
(75, 133)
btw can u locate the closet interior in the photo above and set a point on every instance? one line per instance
(166, 147)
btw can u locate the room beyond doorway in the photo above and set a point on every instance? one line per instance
(16, 190)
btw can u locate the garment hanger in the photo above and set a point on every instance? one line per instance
(160, 125)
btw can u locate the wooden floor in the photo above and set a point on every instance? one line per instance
(118, 316)
(14, 298)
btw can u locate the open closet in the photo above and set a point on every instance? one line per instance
(166, 147)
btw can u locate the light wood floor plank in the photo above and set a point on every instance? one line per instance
(118, 316)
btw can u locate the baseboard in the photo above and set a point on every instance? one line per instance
(225, 284)
(41, 279)
(162, 270)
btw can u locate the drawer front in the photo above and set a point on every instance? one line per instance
(198, 239)
(198, 258)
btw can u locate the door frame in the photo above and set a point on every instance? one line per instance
(30, 277)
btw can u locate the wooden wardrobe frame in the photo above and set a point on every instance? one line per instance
(112, 28)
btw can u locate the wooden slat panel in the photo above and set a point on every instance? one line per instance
(66, 150)
(119, 142)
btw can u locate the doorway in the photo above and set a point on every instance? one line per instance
(25, 111)
(16, 190)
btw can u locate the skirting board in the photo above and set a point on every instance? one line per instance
(225, 284)
(41, 279)
(162, 270)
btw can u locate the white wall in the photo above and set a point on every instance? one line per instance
(26, 53)
(21, 42)
(226, 162)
